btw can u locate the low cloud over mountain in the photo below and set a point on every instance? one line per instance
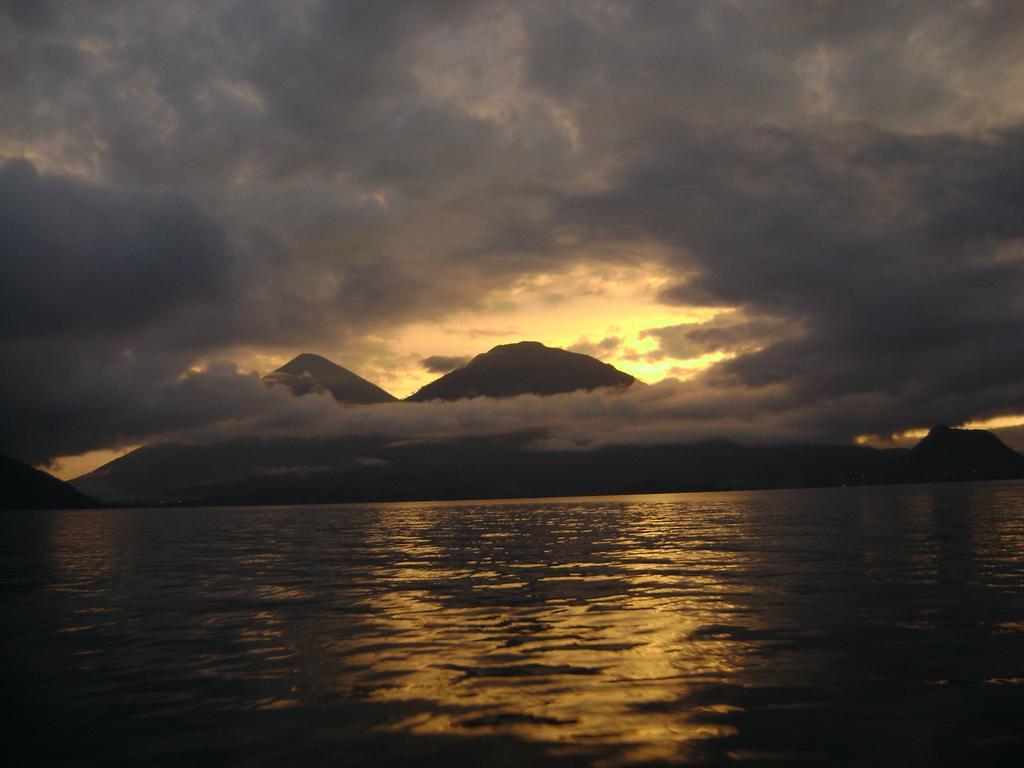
(443, 363)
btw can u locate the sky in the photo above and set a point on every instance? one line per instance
(792, 220)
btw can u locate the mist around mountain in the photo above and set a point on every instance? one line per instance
(377, 468)
(270, 470)
(527, 367)
(309, 373)
(24, 487)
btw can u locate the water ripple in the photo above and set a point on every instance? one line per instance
(854, 626)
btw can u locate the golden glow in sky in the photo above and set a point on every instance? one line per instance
(70, 467)
(603, 311)
(909, 437)
(578, 309)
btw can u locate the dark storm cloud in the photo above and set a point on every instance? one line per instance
(266, 88)
(198, 178)
(443, 363)
(897, 261)
(769, 155)
(113, 286)
(722, 333)
(916, 64)
(124, 403)
(87, 260)
(29, 13)
(108, 296)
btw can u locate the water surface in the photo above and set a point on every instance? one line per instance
(870, 626)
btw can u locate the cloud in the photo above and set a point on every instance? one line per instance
(722, 333)
(887, 263)
(443, 363)
(847, 180)
(89, 260)
(219, 403)
(599, 349)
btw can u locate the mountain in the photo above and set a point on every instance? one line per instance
(369, 468)
(527, 367)
(23, 487)
(309, 373)
(963, 454)
(348, 468)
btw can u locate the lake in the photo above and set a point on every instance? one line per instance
(845, 626)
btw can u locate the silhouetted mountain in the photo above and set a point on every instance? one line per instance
(293, 470)
(299, 470)
(24, 487)
(312, 373)
(526, 368)
(962, 454)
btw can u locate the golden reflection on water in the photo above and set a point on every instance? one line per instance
(612, 631)
(589, 663)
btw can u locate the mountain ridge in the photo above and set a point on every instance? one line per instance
(379, 468)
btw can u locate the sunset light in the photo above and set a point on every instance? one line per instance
(547, 383)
